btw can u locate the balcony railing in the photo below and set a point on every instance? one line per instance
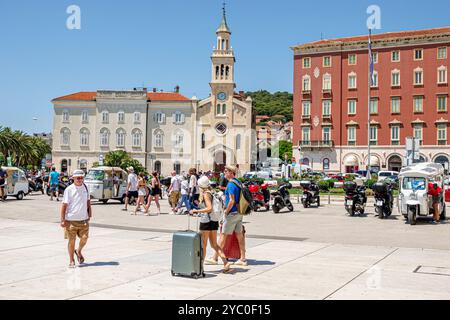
(314, 144)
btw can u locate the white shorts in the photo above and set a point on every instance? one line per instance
(142, 192)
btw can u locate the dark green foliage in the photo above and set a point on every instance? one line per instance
(271, 104)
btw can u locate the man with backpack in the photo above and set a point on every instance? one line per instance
(236, 207)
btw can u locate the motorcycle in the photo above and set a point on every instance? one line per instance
(384, 199)
(355, 198)
(282, 199)
(36, 184)
(260, 196)
(311, 193)
(62, 185)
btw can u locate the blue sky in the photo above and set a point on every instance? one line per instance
(124, 44)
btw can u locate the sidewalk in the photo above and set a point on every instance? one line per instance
(124, 264)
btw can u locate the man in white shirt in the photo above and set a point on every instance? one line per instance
(132, 187)
(174, 191)
(76, 212)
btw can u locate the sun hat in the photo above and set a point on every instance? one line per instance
(204, 182)
(78, 173)
(130, 169)
(231, 168)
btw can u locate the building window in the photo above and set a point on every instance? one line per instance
(121, 117)
(105, 117)
(327, 61)
(305, 135)
(352, 59)
(375, 79)
(178, 118)
(203, 141)
(326, 164)
(442, 103)
(374, 106)
(221, 128)
(84, 116)
(326, 107)
(395, 105)
(84, 137)
(418, 132)
(306, 108)
(238, 142)
(418, 104)
(395, 57)
(418, 54)
(326, 135)
(351, 133)
(65, 116)
(306, 63)
(137, 117)
(442, 134)
(104, 137)
(160, 117)
(352, 80)
(373, 135)
(395, 78)
(326, 82)
(375, 57)
(418, 76)
(442, 53)
(178, 140)
(65, 137)
(306, 83)
(395, 135)
(136, 136)
(221, 109)
(159, 139)
(442, 75)
(120, 137)
(351, 106)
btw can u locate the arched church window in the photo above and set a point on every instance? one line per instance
(222, 71)
(203, 141)
(223, 44)
(227, 72)
(217, 72)
(224, 109)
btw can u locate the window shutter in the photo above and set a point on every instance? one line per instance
(174, 116)
(183, 118)
(163, 118)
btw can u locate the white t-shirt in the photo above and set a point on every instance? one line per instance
(132, 178)
(76, 199)
(185, 187)
(175, 182)
(193, 184)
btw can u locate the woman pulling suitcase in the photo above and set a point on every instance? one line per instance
(208, 226)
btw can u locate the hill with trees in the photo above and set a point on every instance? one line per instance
(271, 104)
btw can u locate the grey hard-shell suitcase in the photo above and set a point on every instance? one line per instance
(187, 254)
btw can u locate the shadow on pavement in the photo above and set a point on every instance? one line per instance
(99, 264)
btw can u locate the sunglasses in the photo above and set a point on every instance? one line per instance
(79, 178)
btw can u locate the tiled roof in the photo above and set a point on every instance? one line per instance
(154, 96)
(381, 36)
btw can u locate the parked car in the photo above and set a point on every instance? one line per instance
(387, 174)
(258, 175)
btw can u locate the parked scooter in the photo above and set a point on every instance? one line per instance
(282, 199)
(311, 193)
(62, 185)
(384, 199)
(260, 195)
(355, 198)
(36, 184)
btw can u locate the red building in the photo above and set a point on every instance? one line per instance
(409, 97)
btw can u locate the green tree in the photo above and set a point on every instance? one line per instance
(282, 148)
(122, 159)
(272, 104)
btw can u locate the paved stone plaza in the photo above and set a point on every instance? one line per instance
(309, 254)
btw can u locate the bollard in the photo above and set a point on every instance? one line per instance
(329, 196)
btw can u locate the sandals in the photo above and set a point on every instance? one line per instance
(80, 258)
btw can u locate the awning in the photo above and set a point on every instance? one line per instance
(351, 161)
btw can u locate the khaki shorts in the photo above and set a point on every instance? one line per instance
(232, 223)
(174, 197)
(76, 228)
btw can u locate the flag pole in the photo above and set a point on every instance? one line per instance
(369, 175)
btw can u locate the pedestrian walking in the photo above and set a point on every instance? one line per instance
(155, 193)
(435, 192)
(193, 188)
(53, 182)
(184, 195)
(232, 219)
(142, 192)
(174, 191)
(132, 187)
(3, 176)
(76, 213)
(209, 220)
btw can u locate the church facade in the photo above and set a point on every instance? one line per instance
(165, 131)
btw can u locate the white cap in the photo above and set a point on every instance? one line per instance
(204, 182)
(78, 173)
